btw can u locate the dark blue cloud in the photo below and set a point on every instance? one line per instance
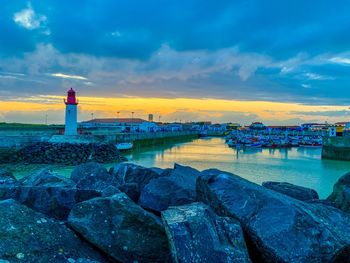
(272, 32)
(136, 28)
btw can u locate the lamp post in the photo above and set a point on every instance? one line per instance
(92, 115)
(118, 114)
(132, 121)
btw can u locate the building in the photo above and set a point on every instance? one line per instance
(150, 117)
(121, 124)
(71, 124)
(314, 126)
(257, 126)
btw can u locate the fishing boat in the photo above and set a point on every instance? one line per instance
(311, 145)
(253, 145)
(124, 146)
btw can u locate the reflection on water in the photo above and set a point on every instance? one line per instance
(302, 166)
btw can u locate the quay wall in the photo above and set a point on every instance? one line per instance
(156, 138)
(21, 139)
(336, 148)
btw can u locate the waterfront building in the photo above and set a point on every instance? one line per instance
(121, 124)
(314, 126)
(71, 123)
(257, 126)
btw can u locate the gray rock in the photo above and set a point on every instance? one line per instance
(128, 173)
(131, 190)
(109, 191)
(322, 202)
(295, 191)
(279, 228)
(7, 178)
(28, 236)
(121, 229)
(197, 234)
(341, 193)
(177, 188)
(48, 178)
(93, 176)
(54, 202)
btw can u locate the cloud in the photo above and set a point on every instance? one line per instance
(28, 19)
(313, 76)
(66, 76)
(340, 60)
(332, 113)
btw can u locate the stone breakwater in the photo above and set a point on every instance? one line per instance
(64, 153)
(134, 214)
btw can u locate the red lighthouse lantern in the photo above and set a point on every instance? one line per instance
(71, 99)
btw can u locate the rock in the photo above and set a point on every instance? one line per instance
(54, 202)
(341, 193)
(131, 190)
(295, 191)
(63, 153)
(46, 177)
(109, 191)
(279, 228)
(93, 176)
(322, 202)
(28, 236)
(7, 178)
(127, 173)
(120, 228)
(197, 234)
(158, 170)
(177, 188)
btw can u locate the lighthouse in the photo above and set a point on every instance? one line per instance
(71, 113)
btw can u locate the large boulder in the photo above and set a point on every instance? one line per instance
(279, 228)
(48, 178)
(120, 228)
(28, 236)
(197, 234)
(93, 176)
(295, 191)
(7, 178)
(131, 175)
(54, 202)
(341, 193)
(177, 188)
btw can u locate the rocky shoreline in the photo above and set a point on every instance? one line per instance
(64, 153)
(136, 214)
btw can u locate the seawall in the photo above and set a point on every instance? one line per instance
(15, 139)
(336, 148)
(156, 138)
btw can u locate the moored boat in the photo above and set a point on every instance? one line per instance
(124, 146)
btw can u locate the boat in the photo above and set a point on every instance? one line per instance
(253, 145)
(310, 145)
(124, 146)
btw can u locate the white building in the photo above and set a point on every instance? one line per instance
(122, 124)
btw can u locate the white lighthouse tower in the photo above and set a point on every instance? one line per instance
(71, 114)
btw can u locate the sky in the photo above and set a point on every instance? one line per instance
(280, 62)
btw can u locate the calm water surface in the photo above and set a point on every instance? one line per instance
(299, 166)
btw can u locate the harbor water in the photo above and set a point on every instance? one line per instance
(301, 166)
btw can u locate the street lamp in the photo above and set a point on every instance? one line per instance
(92, 115)
(132, 121)
(118, 114)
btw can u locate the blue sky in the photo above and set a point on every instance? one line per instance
(278, 51)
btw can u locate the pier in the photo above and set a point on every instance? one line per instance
(336, 148)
